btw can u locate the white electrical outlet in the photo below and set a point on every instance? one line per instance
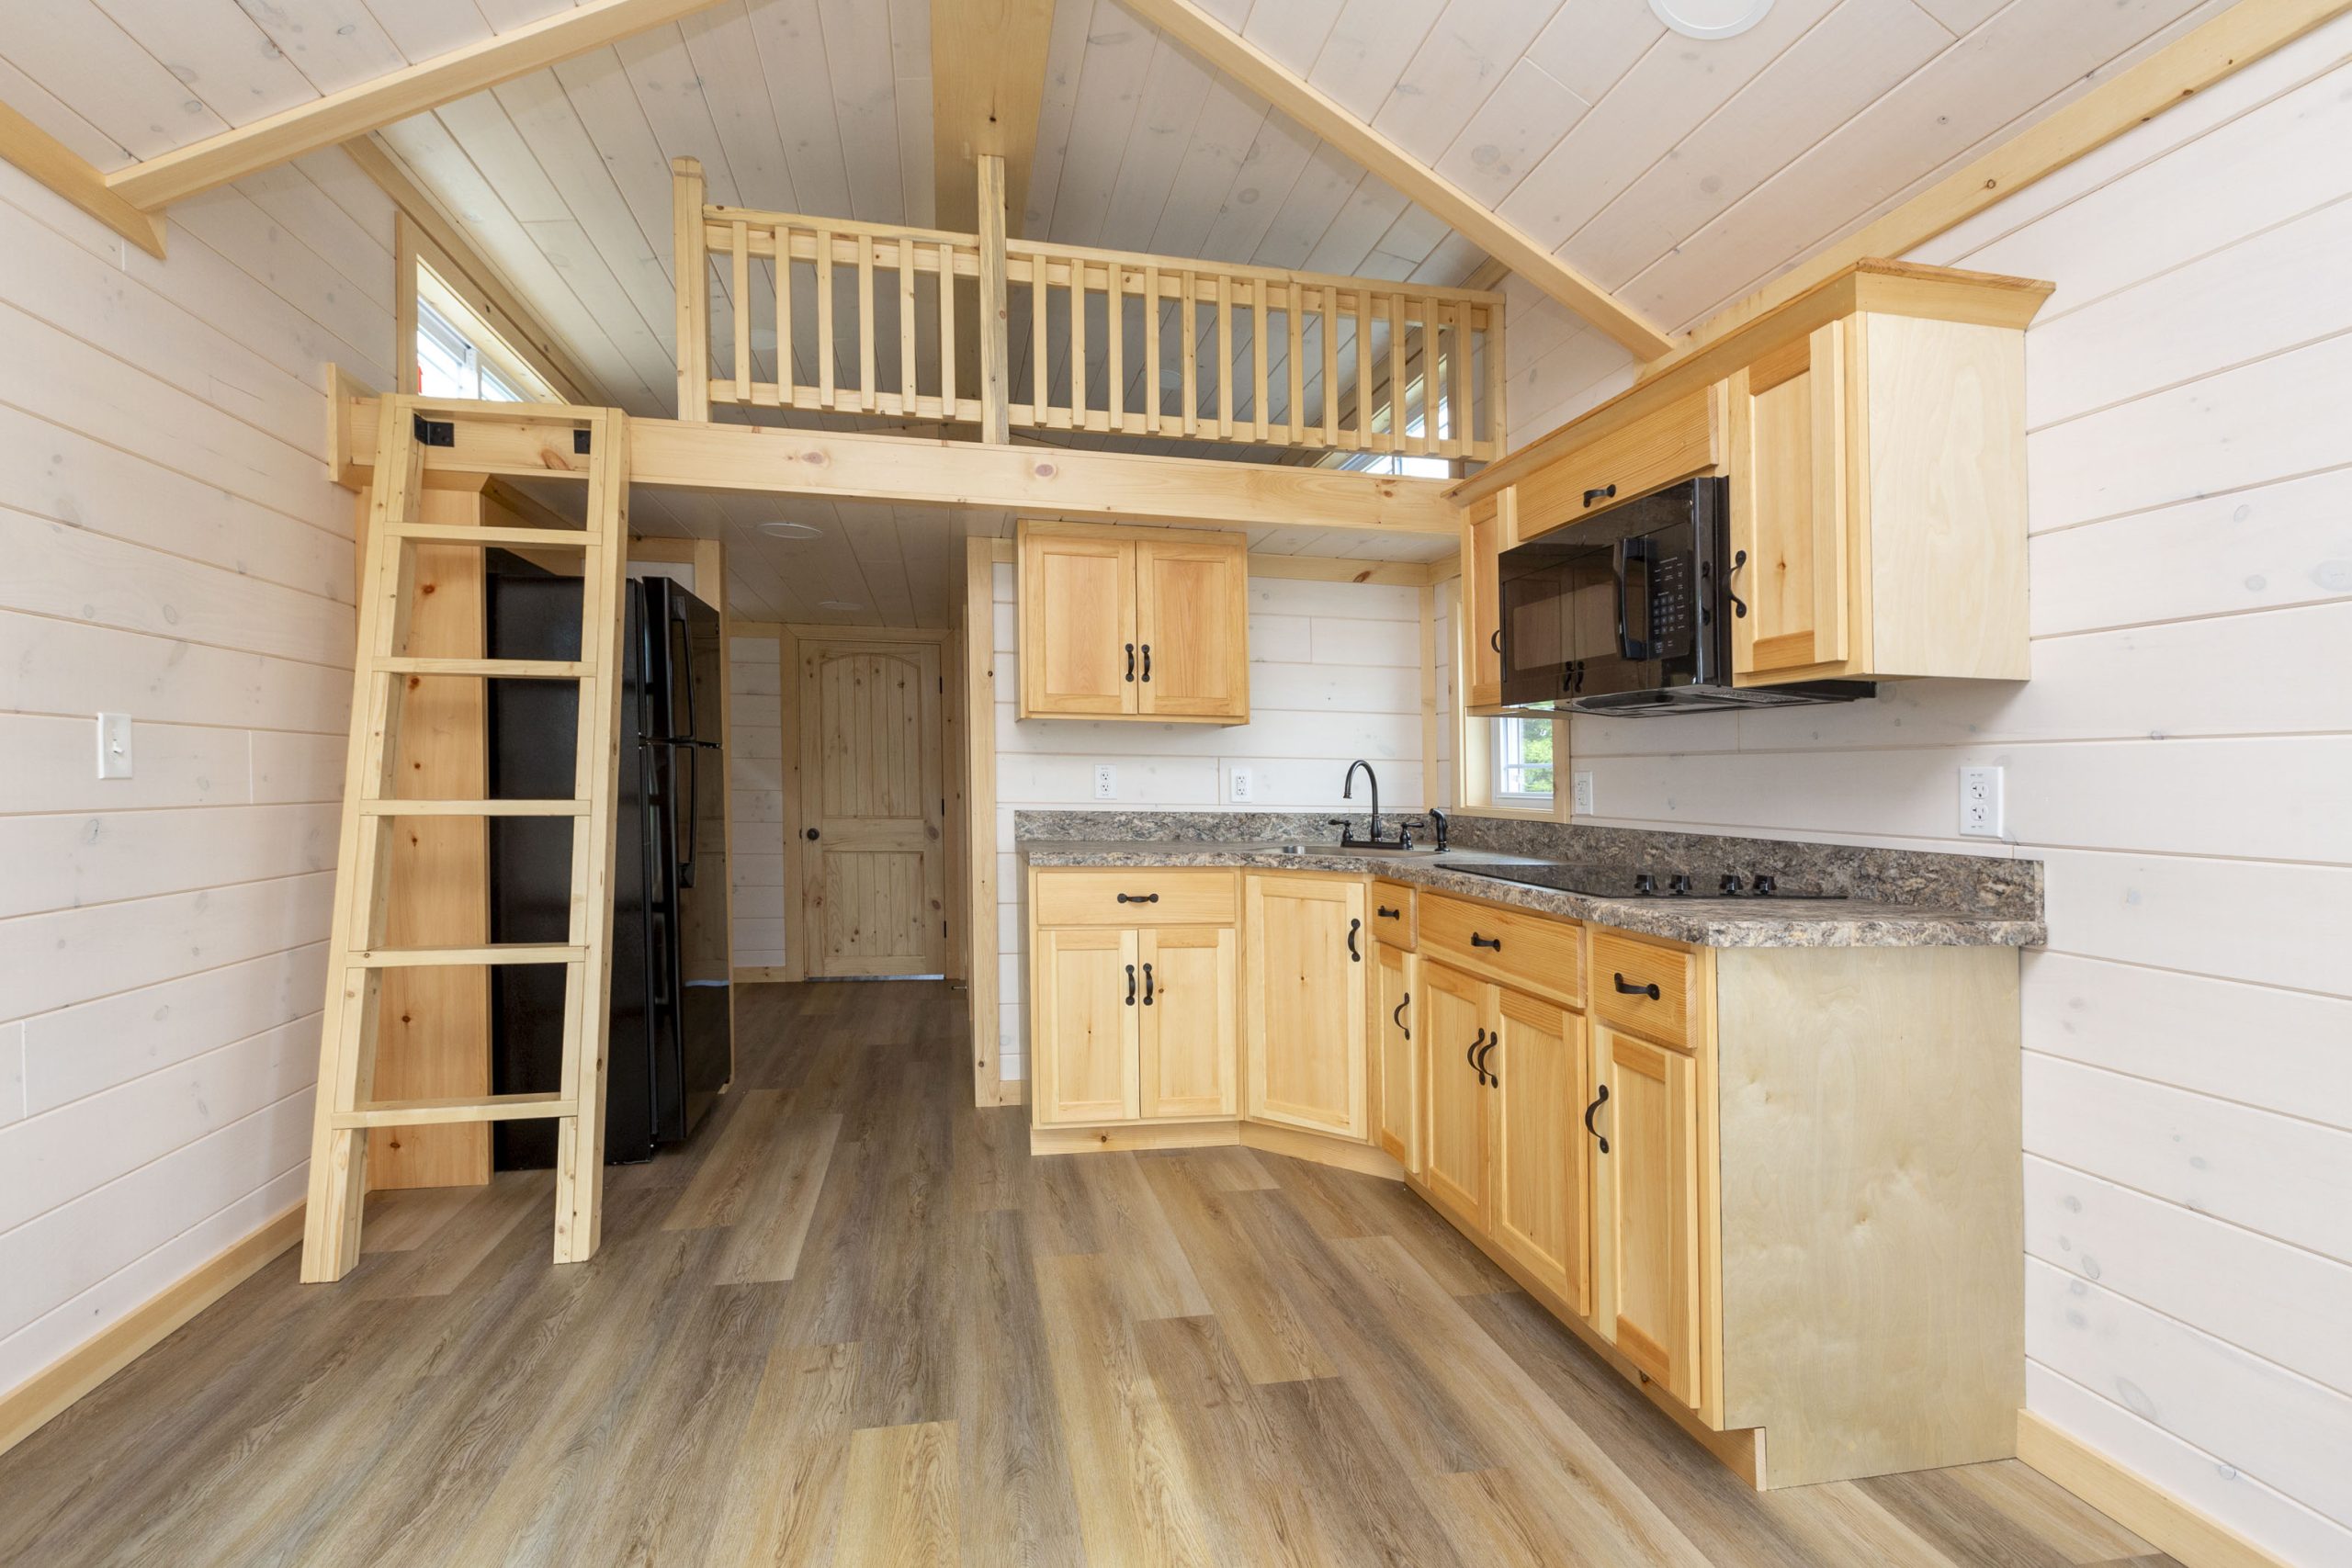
(1580, 794)
(1240, 790)
(1106, 781)
(1979, 803)
(114, 745)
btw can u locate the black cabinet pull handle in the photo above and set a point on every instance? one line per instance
(810, 835)
(1624, 990)
(1131, 661)
(1138, 897)
(1131, 984)
(1353, 927)
(1738, 605)
(1147, 661)
(1397, 1017)
(1604, 493)
(1495, 641)
(1472, 1057)
(1385, 913)
(1493, 941)
(1597, 1104)
(1146, 984)
(1494, 1079)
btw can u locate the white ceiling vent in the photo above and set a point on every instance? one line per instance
(1711, 19)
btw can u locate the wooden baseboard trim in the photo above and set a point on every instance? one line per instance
(763, 973)
(1146, 1135)
(2139, 1505)
(29, 1406)
(1317, 1147)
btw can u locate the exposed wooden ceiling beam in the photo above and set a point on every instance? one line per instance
(64, 170)
(988, 77)
(1323, 115)
(357, 110)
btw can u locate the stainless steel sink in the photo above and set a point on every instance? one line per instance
(1388, 851)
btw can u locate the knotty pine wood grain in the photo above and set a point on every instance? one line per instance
(854, 1322)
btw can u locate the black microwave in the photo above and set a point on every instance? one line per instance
(1629, 611)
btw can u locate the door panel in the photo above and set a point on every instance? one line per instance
(870, 809)
(1188, 1019)
(1192, 623)
(1078, 610)
(1083, 1029)
(1540, 1199)
(1788, 446)
(1396, 1062)
(1456, 1015)
(1646, 1209)
(1307, 945)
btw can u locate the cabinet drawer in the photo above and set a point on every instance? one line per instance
(1626, 969)
(1674, 443)
(1533, 953)
(1391, 913)
(1152, 897)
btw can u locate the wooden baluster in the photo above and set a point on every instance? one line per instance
(1258, 397)
(787, 372)
(1497, 411)
(690, 240)
(1190, 326)
(1038, 369)
(906, 327)
(1363, 367)
(825, 355)
(1151, 349)
(1225, 357)
(1330, 366)
(947, 330)
(995, 311)
(1298, 314)
(1432, 378)
(865, 373)
(1114, 318)
(1437, 375)
(1077, 344)
(1396, 410)
(738, 274)
(1457, 407)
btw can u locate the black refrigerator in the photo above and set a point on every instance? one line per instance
(671, 1048)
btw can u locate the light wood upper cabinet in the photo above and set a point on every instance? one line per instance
(1304, 1013)
(1396, 1063)
(1538, 1205)
(1191, 978)
(1788, 514)
(1485, 529)
(1645, 1208)
(1084, 1028)
(1457, 1020)
(1117, 624)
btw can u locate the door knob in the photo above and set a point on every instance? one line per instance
(810, 835)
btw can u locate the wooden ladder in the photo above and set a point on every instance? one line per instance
(372, 808)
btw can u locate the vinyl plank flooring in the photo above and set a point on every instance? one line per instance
(853, 1322)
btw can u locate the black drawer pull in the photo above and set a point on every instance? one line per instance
(1131, 661)
(1494, 1079)
(1624, 990)
(1604, 493)
(1597, 1104)
(1385, 913)
(1353, 927)
(1146, 984)
(1495, 641)
(1495, 943)
(1397, 1017)
(1472, 1057)
(1138, 897)
(1147, 661)
(1131, 984)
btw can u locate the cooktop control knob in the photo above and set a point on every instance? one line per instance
(1679, 883)
(1732, 882)
(1766, 885)
(1645, 884)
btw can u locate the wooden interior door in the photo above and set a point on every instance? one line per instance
(872, 808)
(1539, 1194)
(1645, 1190)
(1192, 626)
(1307, 947)
(1188, 1019)
(1789, 444)
(1396, 1063)
(1483, 527)
(1077, 625)
(1084, 1027)
(1456, 1015)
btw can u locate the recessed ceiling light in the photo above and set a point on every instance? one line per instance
(1711, 19)
(790, 530)
(839, 605)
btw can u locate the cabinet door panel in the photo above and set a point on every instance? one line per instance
(1483, 530)
(1396, 1057)
(1191, 981)
(1456, 1016)
(1646, 1209)
(1788, 508)
(1077, 625)
(1307, 947)
(1539, 1199)
(1083, 1027)
(1193, 624)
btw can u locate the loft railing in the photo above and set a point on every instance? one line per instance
(785, 310)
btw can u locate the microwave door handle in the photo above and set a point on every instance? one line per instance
(1634, 651)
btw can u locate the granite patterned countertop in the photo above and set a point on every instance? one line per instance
(1711, 922)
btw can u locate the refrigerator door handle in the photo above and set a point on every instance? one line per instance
(682, 637)
(685, 806)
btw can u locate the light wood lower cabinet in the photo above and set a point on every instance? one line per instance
(1083, 1029)
(1536, 1081)
(1396, 1063)
(1455, 1013)
(1645, 1208)
(1305, 991)
(1191, 975)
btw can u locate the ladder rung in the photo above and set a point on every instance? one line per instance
(491, 953)
(473, 809)
(432, 1112)
(514, 538)
(498, 669)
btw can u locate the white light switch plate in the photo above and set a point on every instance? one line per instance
(1580, 794)
(1106, 781)
(1241, 788)
(1979, 803)
(114, 745)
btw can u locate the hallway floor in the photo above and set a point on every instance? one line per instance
(854, 1323)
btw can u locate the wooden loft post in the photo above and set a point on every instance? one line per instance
(994, 319)
(686, 198)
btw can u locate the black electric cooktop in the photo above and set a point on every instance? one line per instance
(1628, 882)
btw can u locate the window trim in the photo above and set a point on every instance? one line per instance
(1474, 762)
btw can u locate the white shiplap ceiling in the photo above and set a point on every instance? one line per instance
(1681, 174)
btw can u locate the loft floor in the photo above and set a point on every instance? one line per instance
(854, 1323)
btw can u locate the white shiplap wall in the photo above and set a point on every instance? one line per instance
(2180, 761)
(173, 550)
(1335, 674)
(755, 769)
